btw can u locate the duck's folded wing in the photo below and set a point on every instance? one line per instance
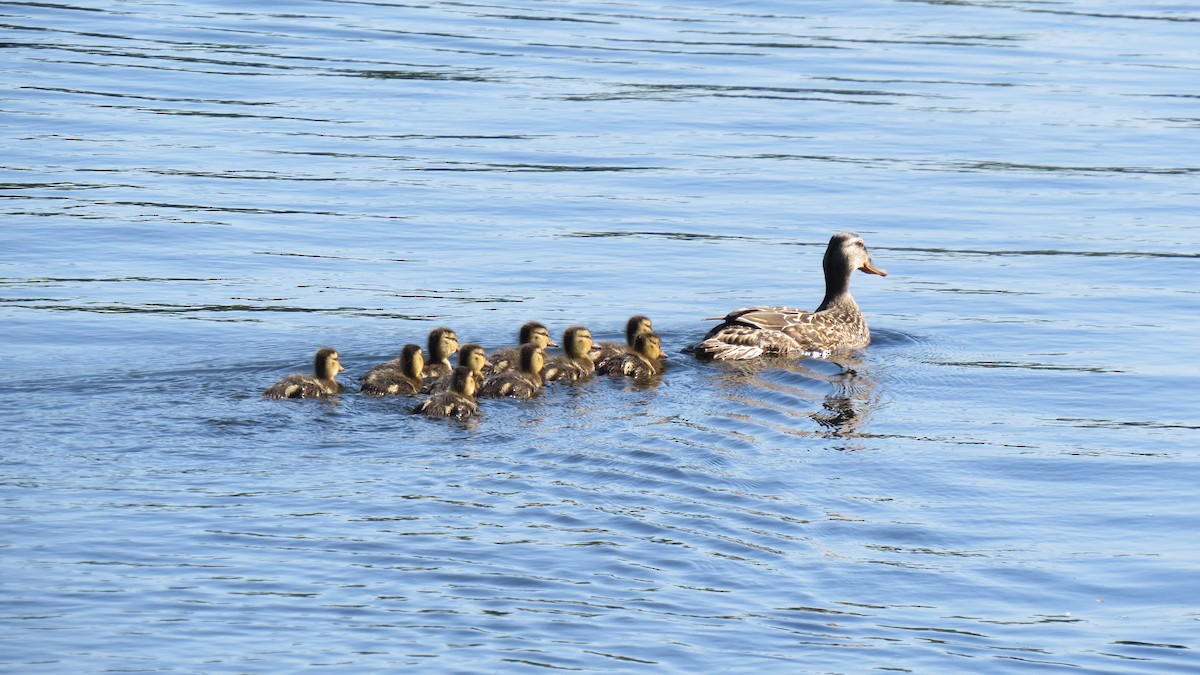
(295, 386)
(831, 329)
(763, 317)
(735, 341)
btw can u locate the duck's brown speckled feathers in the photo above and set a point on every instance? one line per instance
(576, 364)
(509, 358)
(836, 325)
(643, 361)
(524, 382)
(635, 326)
(470, 355)
(443, 342)
(457, 402)
(401, 376)
(323, 382)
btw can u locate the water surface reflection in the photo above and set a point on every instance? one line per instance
(839, 395)
(195, 198)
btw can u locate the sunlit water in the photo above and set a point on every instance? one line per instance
(198, 195)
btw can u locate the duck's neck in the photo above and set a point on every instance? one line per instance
(653, 362)
(531, 369)
(413, 370)
(325, 372)
(327, 378)
(837, 287)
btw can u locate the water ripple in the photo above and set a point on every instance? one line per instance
(198, 197)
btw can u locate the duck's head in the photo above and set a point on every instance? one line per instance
(637, 325)
(536, 333)
(442, 343)
(577, 341)
(533, 358)
(649, 345)
(327, 364)
(462, 381)
(472, 356)
(412, 361)
(848, 252)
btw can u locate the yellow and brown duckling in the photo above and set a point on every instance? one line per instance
(635, 326)
(443, 342)
(457, 402)
(400, 376)
(838, 324)
(576, 364)
(642, 361)
(323, 382)
(509, 358)
(470, 355)
(523, 382)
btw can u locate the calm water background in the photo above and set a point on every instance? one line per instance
(197, 195)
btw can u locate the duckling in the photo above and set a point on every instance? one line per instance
(577, 363)
(470, 355)
(510, 358)
(642, 361)
(838, 324)
(442, 343)
(457, 402)
(524, 382)
(609, 351)
(323, 382)
(399, 376)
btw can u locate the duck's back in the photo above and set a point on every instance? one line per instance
(629, 364)
(447, 404)
(566, 369)
(301, 386)
(504, 359)
(511, 383)
(436, 369)
(610, 351)
(389, 379)
(751, 332)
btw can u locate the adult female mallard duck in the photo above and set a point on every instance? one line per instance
(470, 355)
(837, 324)
(642, 361)
(609, 351)
(457, 402)
(576, 364)
(510, 357)
(323, 382)
(400, 376)
(524, 382)
(442, 343)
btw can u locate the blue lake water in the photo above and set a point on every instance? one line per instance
(198, 195)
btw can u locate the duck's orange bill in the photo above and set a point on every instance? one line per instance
(870, 268)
